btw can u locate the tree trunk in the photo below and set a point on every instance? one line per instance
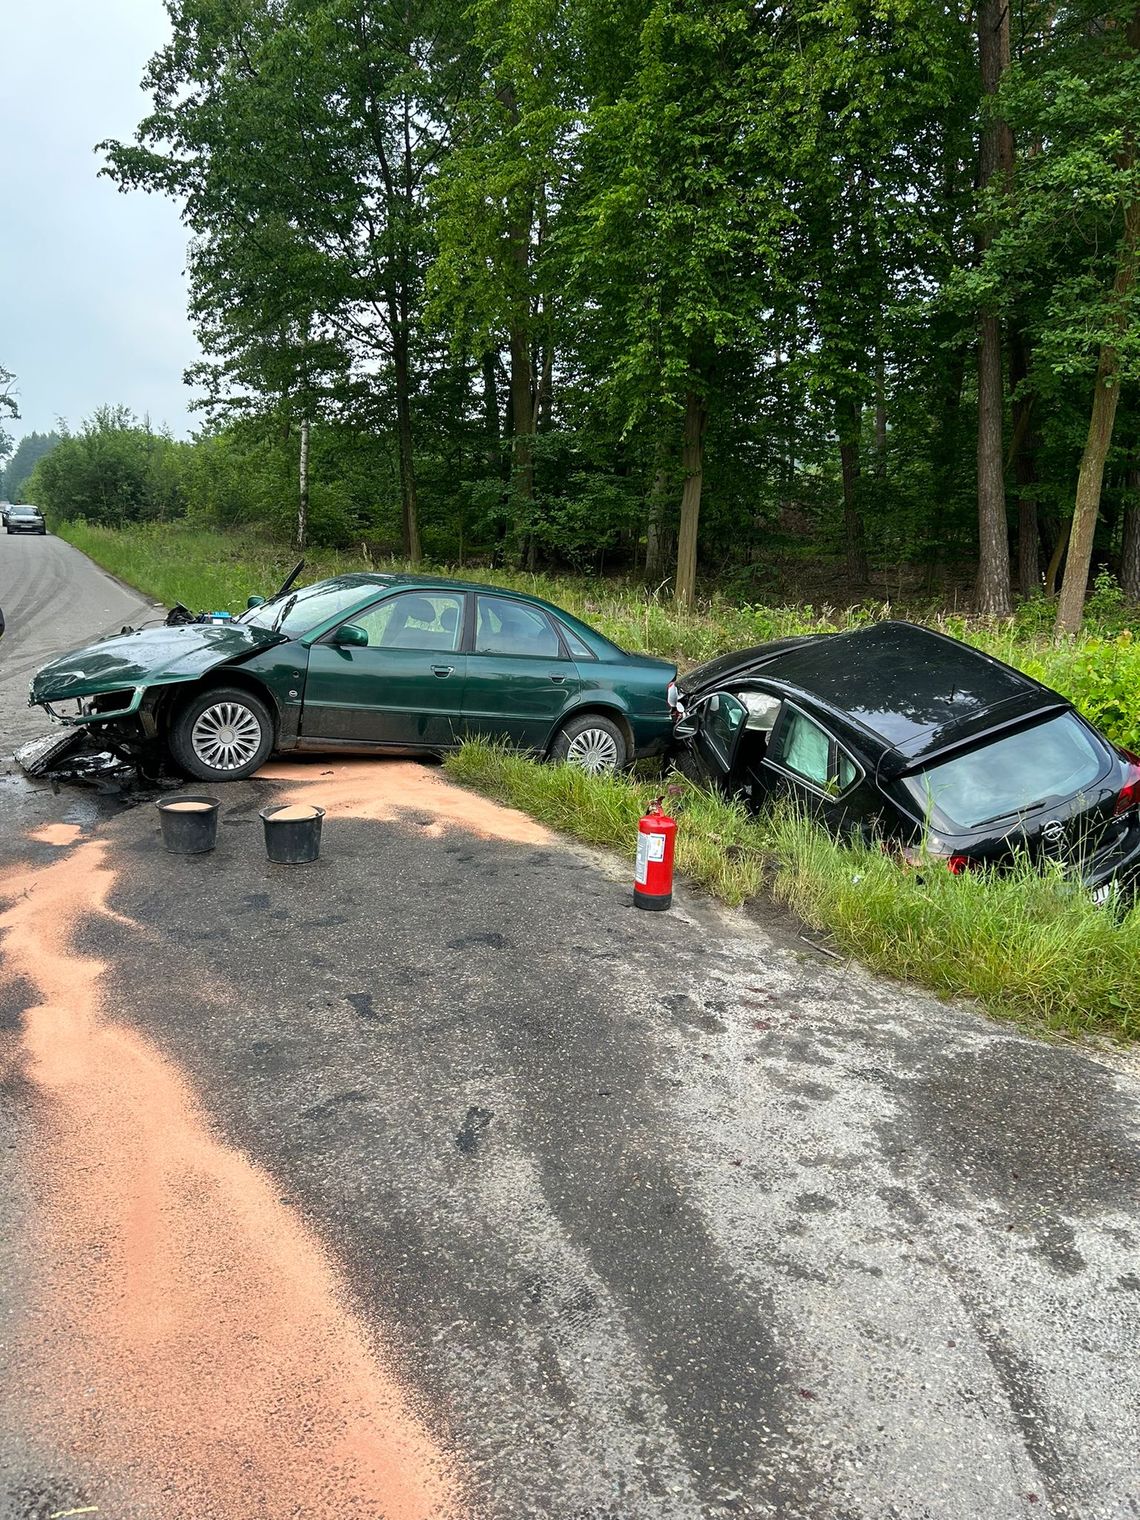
(1058, 554)
(303, 495)
(1022, 451)
(1071, 606)
(849, 425)
(880, 417)
(692, 464)
(1028, 538)
(1130, 547)
(1106, 394)
(402, 376)
(522, 440)
(522, 417)
(992, 593)
(491, 422)
(655, 534)
(995, 159)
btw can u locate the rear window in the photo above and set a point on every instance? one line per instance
(1051, 762)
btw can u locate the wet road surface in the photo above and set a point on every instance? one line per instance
(432, 1179)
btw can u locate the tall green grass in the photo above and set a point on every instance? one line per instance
(1029, 947)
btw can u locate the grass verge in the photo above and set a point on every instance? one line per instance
(1029, 947)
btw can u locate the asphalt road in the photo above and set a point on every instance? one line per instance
(434, 1180)
(53, 599)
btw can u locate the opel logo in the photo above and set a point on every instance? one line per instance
(1053, 832)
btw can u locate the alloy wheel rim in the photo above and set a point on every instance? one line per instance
(593, 750)
(226, 736)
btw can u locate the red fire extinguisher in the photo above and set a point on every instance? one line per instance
(653, 874)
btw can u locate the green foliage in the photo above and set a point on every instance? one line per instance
(1030, 947)
(114, 470)
(28, 452)
(489, 250)
(1102, 678)
(8, 408)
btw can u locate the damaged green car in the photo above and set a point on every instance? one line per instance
(363, 663)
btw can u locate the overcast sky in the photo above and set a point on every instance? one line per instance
(92, 294)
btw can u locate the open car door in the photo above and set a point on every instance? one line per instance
(727, 734)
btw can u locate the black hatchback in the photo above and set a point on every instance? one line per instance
(24, 519)
(902, 735)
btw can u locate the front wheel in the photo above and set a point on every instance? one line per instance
(223, 734)
(593, 743)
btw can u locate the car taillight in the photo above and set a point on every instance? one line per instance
(1129, 794)
(672, 694)
(954, 863)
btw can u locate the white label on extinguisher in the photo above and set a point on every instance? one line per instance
(649, 847)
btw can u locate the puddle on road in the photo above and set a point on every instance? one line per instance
(189, 1327)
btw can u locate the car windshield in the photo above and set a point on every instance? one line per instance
(300, 611)
(1053, 761)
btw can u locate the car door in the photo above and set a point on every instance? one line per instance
(717, 726)
(520, 677)
(809, 764)
(404, 687)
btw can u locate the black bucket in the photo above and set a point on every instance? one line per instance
(189, 824)
(292, 841)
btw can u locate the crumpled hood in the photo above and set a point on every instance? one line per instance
(148, 657)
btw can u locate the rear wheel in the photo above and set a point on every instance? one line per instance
(593, 743)
(222, 734)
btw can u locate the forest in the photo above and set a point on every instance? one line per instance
(689, 288)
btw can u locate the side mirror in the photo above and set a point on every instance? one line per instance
(351, 635)
(685, 729)
(254, 601)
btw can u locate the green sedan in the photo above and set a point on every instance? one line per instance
(397, 664)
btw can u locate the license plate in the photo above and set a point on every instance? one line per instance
(1101, 895)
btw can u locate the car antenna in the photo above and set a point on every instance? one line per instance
(297, 568)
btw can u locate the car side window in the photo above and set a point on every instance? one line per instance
(507, 627)
(579, 649)
(809, 751)
(805, 748)
(415, 620)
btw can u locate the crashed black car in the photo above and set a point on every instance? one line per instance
(897, 734)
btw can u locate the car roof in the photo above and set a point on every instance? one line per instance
(914, 691)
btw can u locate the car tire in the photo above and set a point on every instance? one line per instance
(225, 733)
(593, 743)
